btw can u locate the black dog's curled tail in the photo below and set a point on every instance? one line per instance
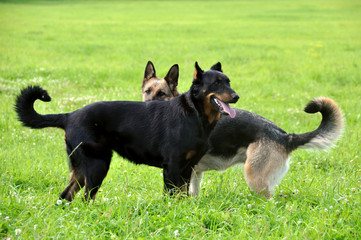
(328, 132)
(24, 107)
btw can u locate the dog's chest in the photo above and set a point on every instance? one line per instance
(220, 163)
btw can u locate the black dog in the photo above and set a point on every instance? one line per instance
(167, 134)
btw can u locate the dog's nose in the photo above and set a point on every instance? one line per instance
(235, 97)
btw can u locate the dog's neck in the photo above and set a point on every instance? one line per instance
(191, 100)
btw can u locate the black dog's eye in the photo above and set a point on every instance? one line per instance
(160, 93)
(148, 91)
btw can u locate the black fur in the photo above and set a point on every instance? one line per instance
(231, 134)
(167, 134)
(263, 146)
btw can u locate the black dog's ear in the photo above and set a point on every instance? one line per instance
(149, 71)
(217, 67)
(198, 72)
(172, 76)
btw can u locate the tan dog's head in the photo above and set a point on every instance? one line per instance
(154, 88)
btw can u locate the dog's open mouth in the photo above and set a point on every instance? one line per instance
(224, 108)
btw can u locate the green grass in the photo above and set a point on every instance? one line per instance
(278, 55)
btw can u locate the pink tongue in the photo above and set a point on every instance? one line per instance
(230, 111)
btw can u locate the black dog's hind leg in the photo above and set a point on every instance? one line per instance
(76, 182)
(95, 171)
(90, 164)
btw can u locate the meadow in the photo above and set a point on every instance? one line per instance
(278, 54)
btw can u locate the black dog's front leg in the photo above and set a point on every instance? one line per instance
(171, 177)
(186, 178)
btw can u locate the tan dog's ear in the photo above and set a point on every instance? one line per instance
(149, 71)
(217, 67)
(172, 77)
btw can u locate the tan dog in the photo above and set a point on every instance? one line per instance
(154, 88)
(262, 146)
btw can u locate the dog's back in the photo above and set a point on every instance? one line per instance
(147, 130)
(229, 135)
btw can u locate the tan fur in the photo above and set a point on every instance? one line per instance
(195, 74)
(266, 164)
(211, 113)
(338, 114)
(154, 88)
(326, 141)
(190, 154)
(223, 97)
(75, 183)
(151, 87)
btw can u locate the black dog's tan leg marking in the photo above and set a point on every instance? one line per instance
(191, 154)
(266, 165)
(186, 174)
(90, 164)
(76, 182)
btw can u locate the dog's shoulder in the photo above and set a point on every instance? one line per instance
(185, 103)
(180, 105)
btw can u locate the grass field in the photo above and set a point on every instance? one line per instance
(278, 55)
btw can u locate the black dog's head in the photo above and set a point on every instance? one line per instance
(213, 89)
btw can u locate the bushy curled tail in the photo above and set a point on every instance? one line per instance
(24, 107)
(328, 132)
